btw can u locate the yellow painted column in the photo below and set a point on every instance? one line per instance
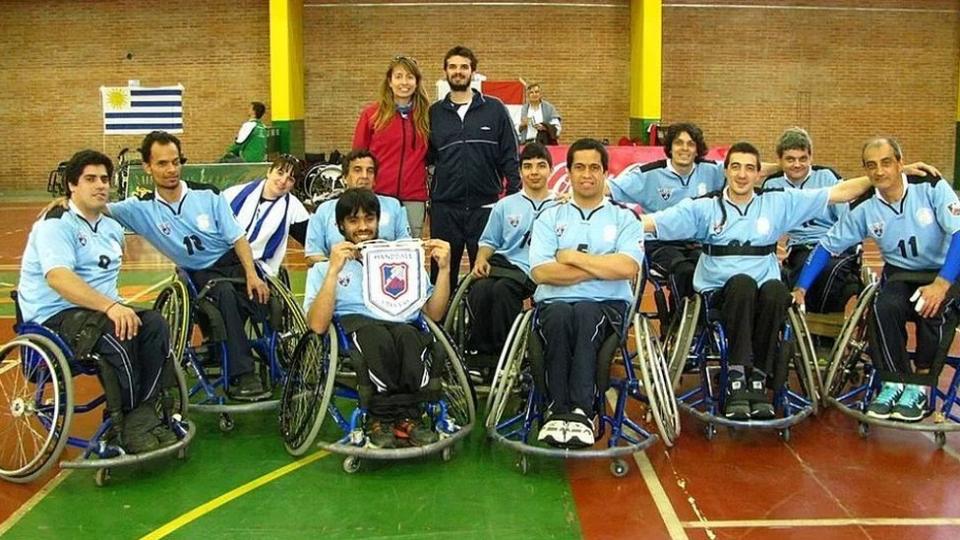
(956, 140)
(646, 64)
(286, 74)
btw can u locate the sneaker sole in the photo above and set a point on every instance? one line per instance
(902, 418)
(878, 416)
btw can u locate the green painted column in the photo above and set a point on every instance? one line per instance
(286, 74)
(956, 143)
(646, 65)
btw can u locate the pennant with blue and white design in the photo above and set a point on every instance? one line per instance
(131, 110)
(395, 284)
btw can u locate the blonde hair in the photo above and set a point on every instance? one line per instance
(386, 106)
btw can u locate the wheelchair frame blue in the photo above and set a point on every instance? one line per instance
(106, 455)
(854, 401)
(706, 403)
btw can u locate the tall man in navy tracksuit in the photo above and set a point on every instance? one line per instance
(473, 146)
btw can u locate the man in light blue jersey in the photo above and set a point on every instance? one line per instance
(68, 283)
(496, 298)
(269, 213)
(661, 184)
(915, 223)
(796, 171)
(360, 170)
(583, 255)
(395, 353)
(739, 270)
(194, 227)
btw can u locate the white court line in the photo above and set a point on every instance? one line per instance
(149, 289)
(825, 522)
(34, 501)
(659, 495)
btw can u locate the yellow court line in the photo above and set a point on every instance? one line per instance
(34, 501)
(826, 522)
(235, 493)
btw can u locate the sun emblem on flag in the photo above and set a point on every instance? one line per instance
(118, 98)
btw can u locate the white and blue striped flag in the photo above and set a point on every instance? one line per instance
(136, 109)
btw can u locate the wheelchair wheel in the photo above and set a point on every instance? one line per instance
(516, 341)
(292, 324)
(308, 390)
(507, 378)
(173, 303)
(457, 389)
(656, 381)
(36, 395)
(805, 363)
(174, 402)
(680, 338)
(850, 347)
(455, 323)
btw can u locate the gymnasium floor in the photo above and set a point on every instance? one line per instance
(825, 483)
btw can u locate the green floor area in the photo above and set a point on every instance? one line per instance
(478, 494)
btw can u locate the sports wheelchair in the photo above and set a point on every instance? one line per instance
(323, 383)
(851, 381)
(39, 400)
(272, 333)
(699, 349)
(518, 402)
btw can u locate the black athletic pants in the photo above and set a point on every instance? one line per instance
(461, 227)
(572, 335)
(677, 262)
(752, 318)
(890, 312)
(138, 363)
(835, 285)
(493, 303)
(234, 307)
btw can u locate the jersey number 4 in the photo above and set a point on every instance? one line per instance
(193, 244)
(912, 242)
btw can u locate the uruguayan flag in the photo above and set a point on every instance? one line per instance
(135, 109)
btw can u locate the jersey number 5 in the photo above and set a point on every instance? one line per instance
(193, 244)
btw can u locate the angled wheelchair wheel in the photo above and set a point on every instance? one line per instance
(292, 324)
(308, 390)
(455, 322)
(457, 389)
(680, 338)
(36, 397)
(173, 304)
(850, 348)
(657, 385)
(507, 379)
(805, 358)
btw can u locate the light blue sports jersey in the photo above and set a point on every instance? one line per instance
(508, 228)
(812, 230)
(323, 233)
(605, 230)
(65, 239)
(716, 221)
(193, 233)
(657, 185)
(349, 289)
(913, 234)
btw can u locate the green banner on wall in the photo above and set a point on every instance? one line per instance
(221, 175)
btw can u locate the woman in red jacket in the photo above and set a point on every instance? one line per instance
(395, 130)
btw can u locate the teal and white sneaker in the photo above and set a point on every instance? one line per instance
(912, 404)
(882, 406)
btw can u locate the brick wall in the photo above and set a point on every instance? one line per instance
(739, 72)
(843, 74)
(57, 54)
(580, 55)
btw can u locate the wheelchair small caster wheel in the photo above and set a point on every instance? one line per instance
(351, 464)
(940, 438)
(102, 477)
(785, 434)
(446, 454)
(863, 429)
(619, 468)
(710, 431)
(226, 423)
(182, 454)
(523, 464)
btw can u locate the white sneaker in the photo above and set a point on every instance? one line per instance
(580, 432)
(553, 432)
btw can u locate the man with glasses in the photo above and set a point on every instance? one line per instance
(270, 213)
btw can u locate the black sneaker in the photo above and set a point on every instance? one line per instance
(380, 437)
(912, 404)
(135, 435)
(247, 386)
(882, 405)
(163, 434)
(579, 430)
(760, 406)
(737, 406)
(414, 432)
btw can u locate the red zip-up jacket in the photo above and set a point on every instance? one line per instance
(401, 154)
